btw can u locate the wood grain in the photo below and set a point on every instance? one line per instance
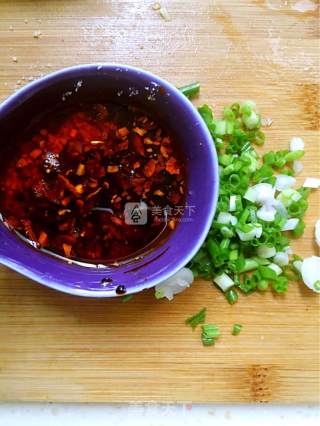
(55, 347)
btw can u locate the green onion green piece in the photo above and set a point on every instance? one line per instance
(228, 114)
(249, 265)
(267, 273)
(226, 232)
(236, 329)
(280, 285)
(262, 285)
(252, 120)
(206, 113)
(190, 90)
(197, 318)
(159, 294)
(221, 127)
(127, 297)
(294, 155)
(299, 229)
(231, 296)
(235, 108)
(248, 285)
(210, 333)
(233, 255)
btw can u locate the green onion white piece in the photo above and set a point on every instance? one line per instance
(266, 252)
(281, 259)
(296, 144)
(297, 264)
(260, 193)
(289, 196)
(290, 224)
(284, 182)
(297, 167)
(267, 213)
(288, 250)
(317, 232)
(225, 218)
(175, 284)
(255, 232)
(224, 282)
(249, 103)
(313, 183)
(232, 203)
(276, 268)
(252, 120)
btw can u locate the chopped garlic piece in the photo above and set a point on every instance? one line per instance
(310, 271)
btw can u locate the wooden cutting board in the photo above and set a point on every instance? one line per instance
(55, 347)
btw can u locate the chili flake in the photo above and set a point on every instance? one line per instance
(66, 186)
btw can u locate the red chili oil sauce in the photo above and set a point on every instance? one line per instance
(67, 186)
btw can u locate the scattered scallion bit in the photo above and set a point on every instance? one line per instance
(210, 333)
(231, 296)
(127, 297)
(197, 318)
(236, 329)
(191, 90)
(258, 209)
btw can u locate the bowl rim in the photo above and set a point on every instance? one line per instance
(24, 93)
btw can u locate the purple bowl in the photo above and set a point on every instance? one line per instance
(176, 112)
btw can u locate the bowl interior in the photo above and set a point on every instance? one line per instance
(161, 100)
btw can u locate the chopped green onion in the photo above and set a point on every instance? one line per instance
(267, 273)
(249, 265)
(294, 155)
(210, 333)
(266, 252)
(221, 127)
(191, 90)
(316, 286)
(224, 282)
(228, 114)
(252, 120)
(274, 267)
(263, 285)
(299, 229)
(127, 297)
(280, 285)
(246, 245)
(236, 329)
(226, 232)
(206, 113)
(197, 318)
(231, 296)
(248, 284)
